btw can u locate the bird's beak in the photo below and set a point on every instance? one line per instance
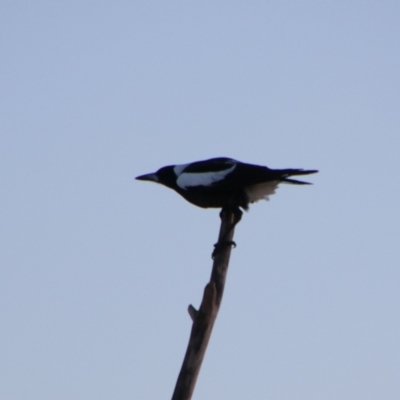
(148, 177)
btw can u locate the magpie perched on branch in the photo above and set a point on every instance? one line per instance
(223, 182)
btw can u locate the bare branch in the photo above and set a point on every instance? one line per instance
(204, 318)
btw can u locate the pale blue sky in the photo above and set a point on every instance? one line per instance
(97, 269)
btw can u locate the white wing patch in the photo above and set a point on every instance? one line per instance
(190, 179)
(261, 191)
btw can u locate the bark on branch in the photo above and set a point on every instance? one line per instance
(204, 318)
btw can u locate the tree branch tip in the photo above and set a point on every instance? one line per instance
(192, 312)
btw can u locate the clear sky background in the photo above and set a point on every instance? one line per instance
(97, 269)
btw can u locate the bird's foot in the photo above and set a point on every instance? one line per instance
(236, 211)
(220, 245)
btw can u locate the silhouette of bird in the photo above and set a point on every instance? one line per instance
(224, 182)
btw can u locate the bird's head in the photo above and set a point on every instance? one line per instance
(165, 176)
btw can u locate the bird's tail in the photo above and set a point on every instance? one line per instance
(285, 174)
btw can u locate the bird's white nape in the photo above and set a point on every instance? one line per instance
(190, 179)
(179, 168)
(261, 191)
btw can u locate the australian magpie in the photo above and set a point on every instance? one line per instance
(223, 182)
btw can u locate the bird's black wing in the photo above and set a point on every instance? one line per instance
(246, 175)
(249, 174)
(239, 176)
(211, 165)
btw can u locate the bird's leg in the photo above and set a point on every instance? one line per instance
(219, 246)
(237, 216)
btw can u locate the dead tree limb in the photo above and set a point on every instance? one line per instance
(204, 318)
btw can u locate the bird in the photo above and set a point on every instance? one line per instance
(224, 182)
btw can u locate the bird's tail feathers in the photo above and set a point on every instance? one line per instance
(286, 173)
(293, 172)
(295, 182)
